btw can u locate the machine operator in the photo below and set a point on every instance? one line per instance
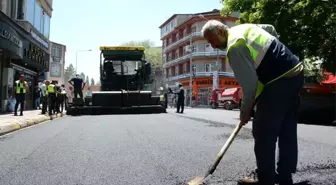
(271, 77)
(78, 84)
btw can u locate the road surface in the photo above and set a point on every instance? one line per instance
(161, 149)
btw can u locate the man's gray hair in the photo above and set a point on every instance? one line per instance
(212, 26)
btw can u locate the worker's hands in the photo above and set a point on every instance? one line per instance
(245, 116)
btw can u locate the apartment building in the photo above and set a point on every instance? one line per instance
(24, 45)
(57, 62)
(184, 50)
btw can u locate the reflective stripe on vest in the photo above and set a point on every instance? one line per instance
(258, 41)
(20, 86)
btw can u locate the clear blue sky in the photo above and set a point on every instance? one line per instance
(88, 24)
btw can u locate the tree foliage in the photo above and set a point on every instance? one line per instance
(307, 27)
(153, 54)
(92, 82)
(87, 80)
(69, 72)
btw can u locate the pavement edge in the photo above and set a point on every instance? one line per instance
(11, 127)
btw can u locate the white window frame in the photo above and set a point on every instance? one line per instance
(194, 48)
(194, 68)
(209, 66)
(193, 29)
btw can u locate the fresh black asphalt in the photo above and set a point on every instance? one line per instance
(157, 149)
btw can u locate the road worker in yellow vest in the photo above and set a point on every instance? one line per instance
(51, 93)
(20, 90)
(271, 77)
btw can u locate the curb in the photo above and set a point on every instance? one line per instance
(11, 127)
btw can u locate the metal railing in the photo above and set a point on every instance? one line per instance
(195, 34)
(194, 54)
(198, 74)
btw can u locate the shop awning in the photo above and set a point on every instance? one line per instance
(330, 79)
(229, 91)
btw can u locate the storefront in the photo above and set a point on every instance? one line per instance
(20, 53)
(202, 88)
(11, 47)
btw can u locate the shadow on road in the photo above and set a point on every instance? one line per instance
(303, 183)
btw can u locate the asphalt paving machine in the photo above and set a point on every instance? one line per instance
(124, 75)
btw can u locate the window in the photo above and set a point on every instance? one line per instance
(177, 54)
(209, 67)
(30, 9)
(194, 48)
(58, 52)
(20, 10)
(13, 8)
(194, 68)
(193, 29)
(37, 16)
(208, 48)
(184, 32)
(46, 30)
(53, 51)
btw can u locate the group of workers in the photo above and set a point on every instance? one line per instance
(53, 96)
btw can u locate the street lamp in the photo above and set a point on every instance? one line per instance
(77, 55)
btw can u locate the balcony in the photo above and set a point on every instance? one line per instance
(195, 34)
(194, 54)
(198, 74)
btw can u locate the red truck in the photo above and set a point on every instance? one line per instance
(229, 98)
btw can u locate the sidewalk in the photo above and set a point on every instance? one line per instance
(10, 123)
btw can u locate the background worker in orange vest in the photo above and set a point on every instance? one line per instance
(20, 90)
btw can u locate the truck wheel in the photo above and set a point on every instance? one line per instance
(226, 106)
(214, 105)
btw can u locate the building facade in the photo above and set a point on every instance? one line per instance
(57, 62)
(24, 45)
(185, 52)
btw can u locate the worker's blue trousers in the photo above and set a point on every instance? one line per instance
(276, 120)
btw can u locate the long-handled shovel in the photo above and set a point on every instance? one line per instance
(199, 180)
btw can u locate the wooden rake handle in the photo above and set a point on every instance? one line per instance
(224, 149)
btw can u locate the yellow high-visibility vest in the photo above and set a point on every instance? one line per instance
(20, 86)
(50, 89)
(258, 41)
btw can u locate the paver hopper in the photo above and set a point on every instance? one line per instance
(124, 74)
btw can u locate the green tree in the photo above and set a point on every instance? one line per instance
(153, 54)
(307, 27)
(69, 72)
(87, 81)
(92, 81)
(82, 75)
